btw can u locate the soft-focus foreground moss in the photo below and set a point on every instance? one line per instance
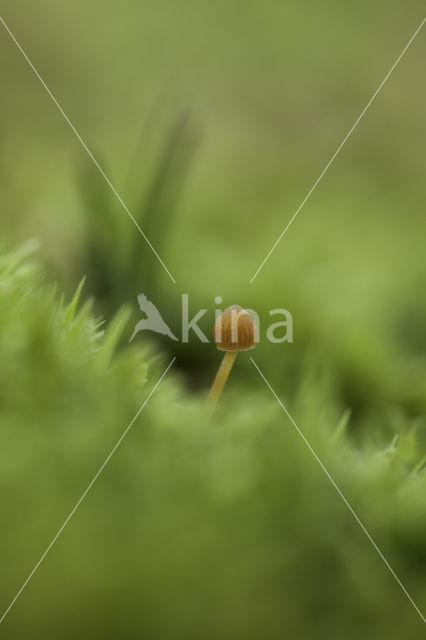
(228, 530)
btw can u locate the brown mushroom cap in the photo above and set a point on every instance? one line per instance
(235, 330)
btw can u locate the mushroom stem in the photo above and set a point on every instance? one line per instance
(220, 379)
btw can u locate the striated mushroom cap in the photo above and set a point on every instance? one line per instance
(235, 330)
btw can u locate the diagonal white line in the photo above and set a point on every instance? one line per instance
(86, 148)
(340, 493)
(338, 149)
(80, 500)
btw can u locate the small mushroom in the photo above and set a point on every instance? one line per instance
(234, 330)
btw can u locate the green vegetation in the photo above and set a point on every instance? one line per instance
(193, 530)
(212, 120)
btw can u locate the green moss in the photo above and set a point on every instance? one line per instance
(193, 530)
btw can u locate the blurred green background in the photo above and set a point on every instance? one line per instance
(212, 121)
